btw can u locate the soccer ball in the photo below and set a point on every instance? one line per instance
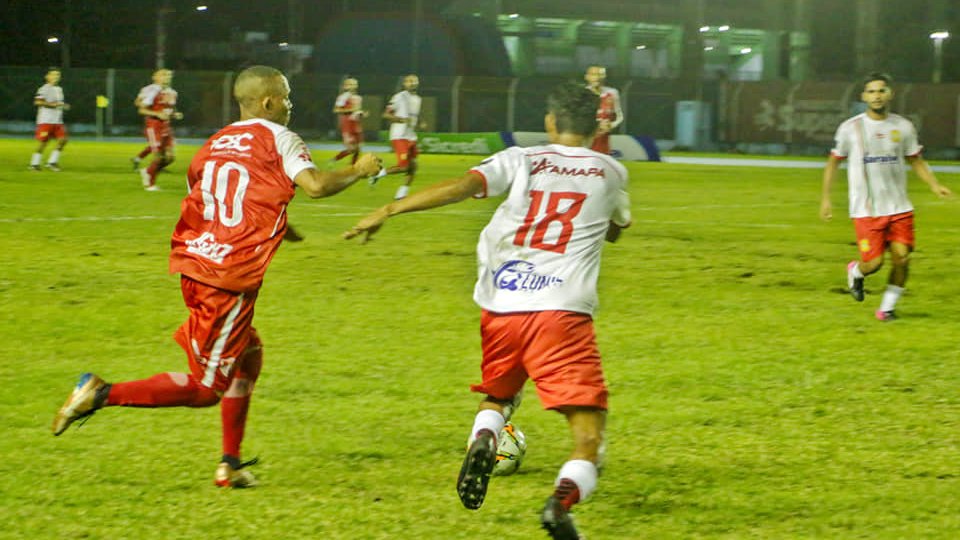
(511, 448)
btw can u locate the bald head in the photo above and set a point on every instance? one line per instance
(162, 76)
(262, 92)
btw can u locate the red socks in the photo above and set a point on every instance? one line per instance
(161, 391)
(233, 417)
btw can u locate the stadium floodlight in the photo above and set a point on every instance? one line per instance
(53, 39)
(746, 50)
(201, 8)
(283, 44)
(641, 47)
(514, 15)
(938, 38)
(723, 28)
(708, 48)
(704, 29)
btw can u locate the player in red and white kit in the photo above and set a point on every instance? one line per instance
(349, 110)
(403, 112)
(231, 224)
(877, 145)
(539, 258)
(50, 107)
(157, 103)
(609, 114)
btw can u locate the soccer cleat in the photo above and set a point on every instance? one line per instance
(237, 477)
(34, 168)
(376, 178)
(136, 162)
(477, 467)
(151, 188)
(886, 316)
(557, 521)
(402, 192)
(54, 167)
(89, 395)
(854, 284)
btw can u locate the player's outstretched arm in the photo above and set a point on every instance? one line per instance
(317, 183)
(829, 175)
(439, 194)
(923, 171)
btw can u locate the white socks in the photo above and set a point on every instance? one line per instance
(487, 419)
(855, 271)
(35, 159)
(402, 191)
(583, 473)
(54, 157)
(890, 297)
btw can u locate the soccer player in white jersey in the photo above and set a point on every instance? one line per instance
(50, 106)
(876, 145)
(539, 258)
(403, 112)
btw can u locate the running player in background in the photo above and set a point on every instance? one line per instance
(539, 258)
(403, 112)
(231, 224)
(157, 103)
(878, 144)
(609, 114)
(350, 113)
(50, 107)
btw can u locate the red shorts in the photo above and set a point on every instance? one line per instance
(159, 137)
(351, 131)
(405, 150)
(218, 336)
(601, 143)
(45, 132)
(874, 234)
(557, 349)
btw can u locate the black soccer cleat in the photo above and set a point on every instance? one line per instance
(558, 522)
(477, 467)
(854, 284)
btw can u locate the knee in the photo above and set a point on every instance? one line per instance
(871, 266)
(900, 260)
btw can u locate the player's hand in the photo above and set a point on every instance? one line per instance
(942, 191)
(368, 165)
(163, 115)
(178, 115)
(826, 211)
(65, 106)
(368, 225)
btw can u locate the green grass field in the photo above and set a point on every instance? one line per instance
(751, 397)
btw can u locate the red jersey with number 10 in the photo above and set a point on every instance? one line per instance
(233, 219)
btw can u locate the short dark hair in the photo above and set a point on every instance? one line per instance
(877, 76)
(575, 108)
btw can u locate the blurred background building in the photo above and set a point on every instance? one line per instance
(722, 73)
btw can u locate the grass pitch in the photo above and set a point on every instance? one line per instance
(751, 397)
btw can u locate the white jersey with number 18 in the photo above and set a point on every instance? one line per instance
(541, 249)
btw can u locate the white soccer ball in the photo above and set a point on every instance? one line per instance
(511, 447)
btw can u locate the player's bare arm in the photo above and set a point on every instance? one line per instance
(829, 174)
(439, 194)
(317, 183)
(923, 171)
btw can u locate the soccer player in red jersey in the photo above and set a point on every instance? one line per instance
(157, 103)
(231, 224)
(539, 259)
(349, 109)
(50, 107)
(609, 115)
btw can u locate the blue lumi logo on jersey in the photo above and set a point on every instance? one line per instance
(519, 275)
(881, 159)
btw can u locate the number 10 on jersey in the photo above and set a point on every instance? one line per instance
(214, 187)
(552, 215)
